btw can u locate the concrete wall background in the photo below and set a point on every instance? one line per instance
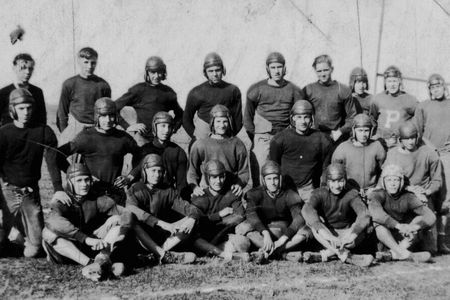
(125, 33)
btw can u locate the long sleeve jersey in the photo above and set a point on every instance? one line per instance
(21, 154)
(388, 210)
(271, 103)
(210, 205)
(78, 96)
(391, 111)
(337, 211)
(103, 152)
(202, 98)
(39, 111)
(362, 163)
(147, 100)
(362, 102)
(302, 157)
(422, 167)
(230, 151)
(333, 105)
(159, 203)
(81, 218)
(262, 209)
(433, 122)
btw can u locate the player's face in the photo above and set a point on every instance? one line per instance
(81, 184)
(392, 184)
(276, 71)
(216, 182)
(24, 69)
(221, 125)
(302, 122)
(87, 66)
(323, 71)
(362, 134)
(163, 131)
(107, 122)
(360, 87)
(392, 85)
(437, 90)
(336, 185)
(155, 77)
(272, 182)
(214, 74)
(24, 112)
(154, 175)
(409, 143)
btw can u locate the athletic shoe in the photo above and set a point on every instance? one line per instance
(259, 257)
(420, 257)
(360, 260)
(241, 256)
(312, 257)
(442, 247)
(147, 260)
(383, 256)
(171, 257)
(93, 272)
(294, 256)
(118, 269)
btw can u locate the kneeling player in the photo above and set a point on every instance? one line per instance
(88, 227)
(399, 217)
(338, 219)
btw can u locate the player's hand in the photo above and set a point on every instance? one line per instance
(198, 191)
(167, 227)
(280, 242)
(348, 239)
(186, 226)
(138, 127)
(96, 244)
(225, 212)
(268, 245)
(336, 134)
(236, 189)
(122, 181)
(404, 229)
(61, 197)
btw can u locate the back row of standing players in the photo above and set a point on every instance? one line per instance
(295, 134)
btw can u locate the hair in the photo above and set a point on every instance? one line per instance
(87, 52)
(324, 58)
(22, 56)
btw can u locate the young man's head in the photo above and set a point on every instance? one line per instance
(79, 180)
(162, 126)
(358, 81)
(271, 177)
(155, 70)
(23, 65)
(408, 136)
(392, 179)
(221, 121)
(152, 169)
(392, 80)
(213, 68)
(105, 114)
(362, 128)
(323, 65)
(336, 178)
(276, 66)
(437, 88)
(215, 175)
(87, 61)
(21, 106)
(302, 116)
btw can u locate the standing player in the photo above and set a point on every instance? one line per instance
(392, 107)
(202, 98)
(333, 102)
(21, 152)
(78, 95)
(359, 84)
(269, 103)
(148, 98)
(23, 66)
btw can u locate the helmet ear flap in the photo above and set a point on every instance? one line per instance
(12, 112)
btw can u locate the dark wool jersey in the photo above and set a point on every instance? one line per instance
(147, 100)
(21, 154)
(273, 103)
(389, 210)
(78, 96)
(103, 152)
(263, 209)
(337, 211)
(362, 102)
(159, 203)
(432, 118)
(39, 111)
(204, 97)
(362, 163)
(302, 157)
(333, 104)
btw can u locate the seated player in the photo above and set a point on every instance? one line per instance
(399, 217)
(338, 219)
(90, 231)
(274, 222)
(165, 219)
(221, 211)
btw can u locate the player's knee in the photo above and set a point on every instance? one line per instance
(243, 228)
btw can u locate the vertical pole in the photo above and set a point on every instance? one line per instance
(380, 34)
